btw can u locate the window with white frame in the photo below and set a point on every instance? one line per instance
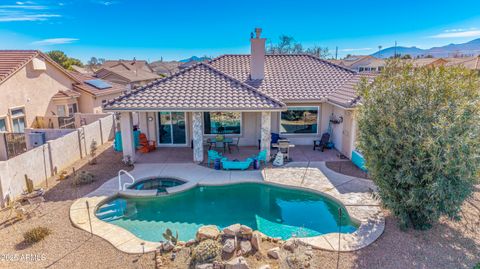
(3, 124)
(18, 120)
(72, 109)
(222, 122)
(299, 120)
(61, 111)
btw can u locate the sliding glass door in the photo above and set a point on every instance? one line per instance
(172, 128)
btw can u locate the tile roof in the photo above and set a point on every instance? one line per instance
(66, 94)
(133, 64)
(130, 75)
(347, 96)
(198, 88)
(297, 77)
(12, 60)
(116, 88)
(468, 62)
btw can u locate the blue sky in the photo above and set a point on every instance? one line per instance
(179, 29)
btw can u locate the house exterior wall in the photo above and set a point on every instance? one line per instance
(32, 90)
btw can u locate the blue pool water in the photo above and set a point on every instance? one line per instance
(273, 210)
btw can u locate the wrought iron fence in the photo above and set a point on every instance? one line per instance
(16, 144)
(66, 122)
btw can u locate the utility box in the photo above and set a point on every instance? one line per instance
(36, 139)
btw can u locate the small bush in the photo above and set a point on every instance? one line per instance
(83, 178)
(36, 234)
(206, 251)
(477, 266)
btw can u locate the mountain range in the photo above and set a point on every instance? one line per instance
(471, 48)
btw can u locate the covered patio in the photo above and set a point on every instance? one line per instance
(184, 154)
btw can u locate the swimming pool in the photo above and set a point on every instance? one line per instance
(273, 210)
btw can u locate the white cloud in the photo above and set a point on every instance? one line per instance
(105, 3)
(355, 49)
(26, 17)
(25, 11)
(455, 33)
(55, 41)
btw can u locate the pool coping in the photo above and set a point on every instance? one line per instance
(311, 176)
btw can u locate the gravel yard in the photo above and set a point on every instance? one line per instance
(449, 244)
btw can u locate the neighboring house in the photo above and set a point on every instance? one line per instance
(130, 73)
(81, 70)
(32, 85)
(95, 92)
(133, 64)
(468, 62)
(361, 63)
(247, 96)
(428, 62)
(165, 69)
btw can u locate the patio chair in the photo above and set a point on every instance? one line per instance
(262, 156)
(322, 142)
(212, 156)
(235, 143)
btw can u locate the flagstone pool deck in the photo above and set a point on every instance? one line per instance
(354, 193)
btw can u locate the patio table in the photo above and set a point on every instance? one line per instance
(226, 143)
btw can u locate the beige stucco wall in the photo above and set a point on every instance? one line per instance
(47, 160)
(93, 104)
(342, 136)
(33, 90)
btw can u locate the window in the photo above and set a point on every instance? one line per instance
(299, 120)
(222, 122)
(61, 111)
(3, 125)
(18, 120)
(72, 109)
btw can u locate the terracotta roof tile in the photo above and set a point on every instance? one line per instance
(298, 77)
(13, 60)
(66, 94)
(198, 88)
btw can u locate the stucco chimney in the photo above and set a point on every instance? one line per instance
(257, 55)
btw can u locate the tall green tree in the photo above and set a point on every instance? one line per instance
(419, 130)
(62, 59)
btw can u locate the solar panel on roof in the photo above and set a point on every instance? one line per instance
(99, 84)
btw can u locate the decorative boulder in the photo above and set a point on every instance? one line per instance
(265, 266)
(204, 266)
(290, 245)
(256, 240)
(245, 230)
(237, 263)
(190, 242)
(168, 246)
(207, 232)
(232, 230)
(274, 253)
(245, 246)
(229, 246)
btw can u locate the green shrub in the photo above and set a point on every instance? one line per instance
(36, 234)
(206, 251)
(477, 266)
(83, 178)
(419, 132)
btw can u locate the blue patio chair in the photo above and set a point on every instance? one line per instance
(262, 156)
(212, 156)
